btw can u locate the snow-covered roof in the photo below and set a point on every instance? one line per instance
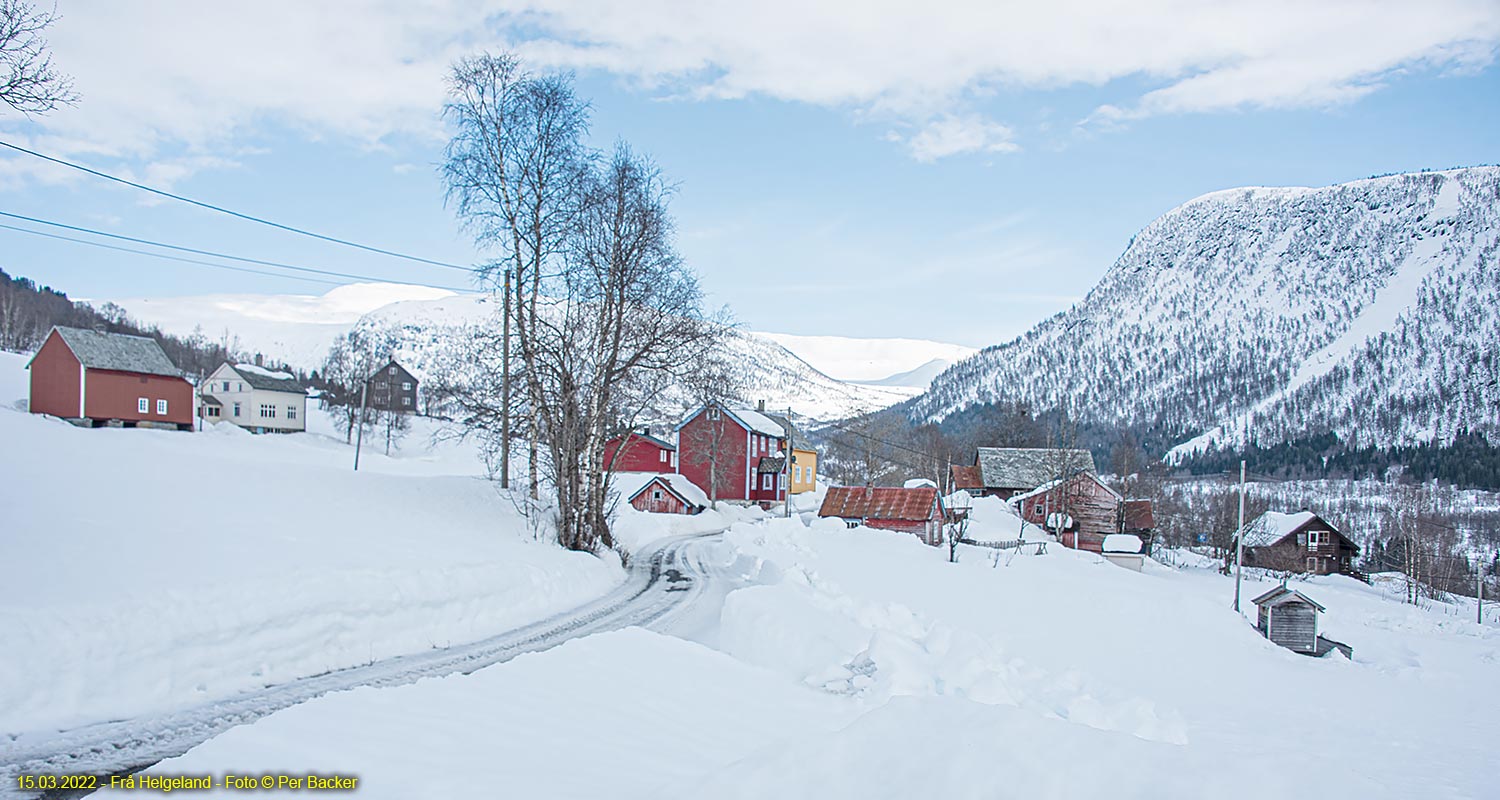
(118, 352)
(1122, 543)
(1025, 467)
(1283, 594)
(1052, 484)
(631, 484)
(1270, 527)
(269, 380)
(757, 422)
(915, 483)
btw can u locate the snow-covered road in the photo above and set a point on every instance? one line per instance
(667, 582)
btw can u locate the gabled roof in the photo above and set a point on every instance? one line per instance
(881, 502)
(1052, 484)
(648, 439)
(966, 477)
(1273, 526)
(632, 484)
(770, 464)
(1028, 467)
(117, 352)
(1282, 594)
(267, 380)
(799, 442)
(752, 421)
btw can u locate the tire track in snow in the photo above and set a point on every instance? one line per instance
(663, 579)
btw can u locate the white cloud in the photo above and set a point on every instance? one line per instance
(950, 135)
(198, 79)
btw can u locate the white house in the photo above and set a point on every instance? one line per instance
(253, 398)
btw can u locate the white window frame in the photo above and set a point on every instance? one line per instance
(142, 405)
(663, 456)
(291, 412)
(161, 408)
(236, 409)
(1315, 538)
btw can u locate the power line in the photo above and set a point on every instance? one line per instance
(167, 257)
(213, 254)
(222, 210)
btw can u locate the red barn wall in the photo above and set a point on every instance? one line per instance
(693, 443)
(638, 455)
(113, 395)
(55, 379)
(668, 504)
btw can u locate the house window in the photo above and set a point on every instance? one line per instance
(236, 409)
(1315, 538)
(226, 386)
(656, 494)
(406, 401)
(392, 370)
(1312, 565)
(212, 411)
(663, 456)
(674, 458)
(291, 412)
(713, 413)
(406, 386)
(142, 405)
(267, 411)
(161, 407)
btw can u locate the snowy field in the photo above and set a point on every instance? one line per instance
(150, 570)
(860, 664)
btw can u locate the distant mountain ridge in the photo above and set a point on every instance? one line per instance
(1366, 310)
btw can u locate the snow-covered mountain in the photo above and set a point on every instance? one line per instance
(428, 332)
(1366, 309)
(781, 369)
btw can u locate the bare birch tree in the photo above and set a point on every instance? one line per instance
(29, 83)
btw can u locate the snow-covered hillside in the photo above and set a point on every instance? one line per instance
(1365, 309)
(298, 329)
(433, 332)
(860, 664)
(150, 570)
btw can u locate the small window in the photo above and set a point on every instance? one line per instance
(267, 411)
(656, 494)
(291, 412)
(663, 456)
(236, 409)
(213, 411)
(1312, 565)
(226, 386)
(161, 407)
(392, 370)
(142, 405)
(406, 386)
(406, 401)
(674, 458)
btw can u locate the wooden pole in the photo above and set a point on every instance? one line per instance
(1239, 540)
(359, 437)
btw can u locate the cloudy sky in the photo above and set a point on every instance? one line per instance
(942, 170)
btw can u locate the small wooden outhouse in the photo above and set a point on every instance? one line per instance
(1289, 618)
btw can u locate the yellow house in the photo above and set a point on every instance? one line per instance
(803, 471)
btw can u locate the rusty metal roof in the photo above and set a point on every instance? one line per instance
(881, 502)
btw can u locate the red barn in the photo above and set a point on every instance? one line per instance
(642, 453)
(95, 378)
(917, 510)
(661, 494)
(735, 454)
(1082, 508)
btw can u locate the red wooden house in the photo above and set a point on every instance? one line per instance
(664, 493)
(1082, 511)
(917, 510)
(734, 454)
(95, 378)
(642, 453)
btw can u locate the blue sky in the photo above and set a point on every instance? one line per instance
(954, 175)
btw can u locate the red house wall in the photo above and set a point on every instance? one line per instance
(695, 439)
(638, 455)
(55, 379)
(668, 504)
(113, 395)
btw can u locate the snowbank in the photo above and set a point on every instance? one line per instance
(147, 570)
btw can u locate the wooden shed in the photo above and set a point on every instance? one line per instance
(96, 378)
(1289, 618)
(661, 493)
(916, 510)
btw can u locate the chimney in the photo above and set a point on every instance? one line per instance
(258, 360)
(761, 406)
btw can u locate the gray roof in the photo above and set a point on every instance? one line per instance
(1282, 594)
(1028, 467)
(799, 442)
(258, 379)
(118, 352)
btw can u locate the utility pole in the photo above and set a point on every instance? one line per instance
(505, 389)
(786, 505)
(1479, 583)
(1239, 539)
(359, 437)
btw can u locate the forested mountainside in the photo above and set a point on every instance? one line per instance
(436, 338)
(1364, 311)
